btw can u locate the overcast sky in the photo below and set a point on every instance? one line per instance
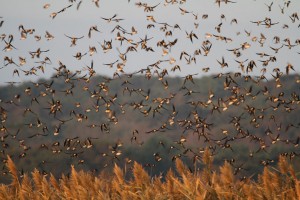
(73, 22)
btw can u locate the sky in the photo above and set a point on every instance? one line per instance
(76, 23)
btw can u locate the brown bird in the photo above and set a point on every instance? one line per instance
(113, 18)
(93, 28)
(223, 63)
(74, 40)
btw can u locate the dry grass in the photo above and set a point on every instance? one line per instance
(273, 183)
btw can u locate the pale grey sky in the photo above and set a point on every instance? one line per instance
(73, 22)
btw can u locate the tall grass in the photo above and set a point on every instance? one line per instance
(273, 183)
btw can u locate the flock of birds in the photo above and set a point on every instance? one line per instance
(140, 101)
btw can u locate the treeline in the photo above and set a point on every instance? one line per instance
(92, 124)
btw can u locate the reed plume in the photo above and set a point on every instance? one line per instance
(274, 183)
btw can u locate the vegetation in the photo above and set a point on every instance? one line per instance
(273, 183)
(51, 153)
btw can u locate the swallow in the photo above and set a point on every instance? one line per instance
(222, 63)
(93, 28)
(191, 35)
(79, 55)
(49, 36)
(150, 8)
(74, 40)
(269, 6)
(276, 49)
(113, 18)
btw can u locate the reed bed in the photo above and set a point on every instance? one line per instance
(274, 183)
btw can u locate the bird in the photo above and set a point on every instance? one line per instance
(191, 35)
(276, 49)
(269, 6)
(74, 39)
(113, 18)
(1, 23)
(93, 28)
(222, 63)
